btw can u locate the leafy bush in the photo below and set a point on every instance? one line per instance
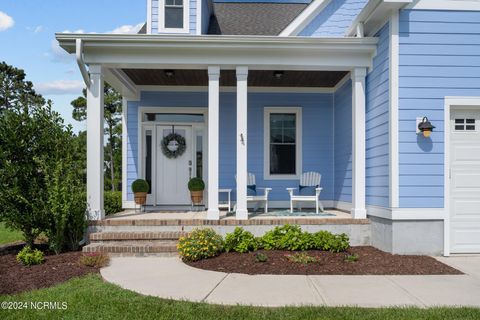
(327, 241)
(240, 241)
(112, 202)
(351, 257)
(261, 257)
(140, 185)
(95, 259)
(287, 237)
(200, 244)
(29, 257)
(301, 257)
(196, 184)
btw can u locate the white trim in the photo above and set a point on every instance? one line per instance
(250, 89)
(444, 5)
(198, 17)
(242, 143)
(213, 212)
(342, 82)
(149, 16)
(128, 205)
(122, 83)
(161, 18)
(393, 109)
(451, 102)
(124, 148)
(358, 142)
(298, 142)
(414, 214)
(304, 18)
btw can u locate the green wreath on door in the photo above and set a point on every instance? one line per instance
(173, 145)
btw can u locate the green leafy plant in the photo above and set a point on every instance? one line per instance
(287, 237)
(351, 257)
(240, 240)
(200, 244)
(261, 257)
(196, 184)
(327, 241)
(29, 257)
(112, 202)
(95, 259)
(301, 257)
(140, 185)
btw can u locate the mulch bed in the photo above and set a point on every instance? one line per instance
(16, 278)
(371, 261)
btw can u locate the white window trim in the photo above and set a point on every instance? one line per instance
(266, 143)
(186, 18)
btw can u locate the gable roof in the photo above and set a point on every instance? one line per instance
(259, 18)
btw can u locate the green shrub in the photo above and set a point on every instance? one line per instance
(140, 185)
(327, 241)
(200, 244)
(351, 257)
(196, 184)
(261, 257)
(287, 237)
(240, 241)
(95, 259)
(29, 257)
(112, 202)
(301, 257)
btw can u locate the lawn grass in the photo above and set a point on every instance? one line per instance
(91, 298)
(7, 235)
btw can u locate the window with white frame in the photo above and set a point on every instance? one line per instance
(282, 143)
(173, 15)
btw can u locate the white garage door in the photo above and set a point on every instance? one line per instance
(465, 181)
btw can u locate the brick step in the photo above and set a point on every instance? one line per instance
(135, 235)
(134, 247)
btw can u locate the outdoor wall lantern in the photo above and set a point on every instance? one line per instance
(426, 127)
(169, 73)
(278, 74)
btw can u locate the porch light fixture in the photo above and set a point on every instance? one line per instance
(425, 127)
(169, 73)
(278, 74)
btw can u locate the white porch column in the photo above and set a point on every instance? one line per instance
(358, 143)
(213, 137)
(95, 144)
(242, 88)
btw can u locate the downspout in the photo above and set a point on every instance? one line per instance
(81, 63)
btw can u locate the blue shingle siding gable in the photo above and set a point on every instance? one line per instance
(156, 19)
(377, 172)
(334, 19)
(439, 56)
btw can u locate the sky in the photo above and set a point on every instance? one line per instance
(27, 41)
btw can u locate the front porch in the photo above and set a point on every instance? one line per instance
(315, 87)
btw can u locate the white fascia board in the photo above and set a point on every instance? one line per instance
(304, 18)
(122, 83)
(197, 52)
(445, 5)
(374, 15)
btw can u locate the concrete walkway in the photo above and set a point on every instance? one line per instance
(168, 277)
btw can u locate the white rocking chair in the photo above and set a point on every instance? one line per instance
(252, 185)
(308, 179)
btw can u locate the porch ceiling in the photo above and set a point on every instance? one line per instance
(256, 78)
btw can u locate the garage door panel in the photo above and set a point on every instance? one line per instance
(465, 181)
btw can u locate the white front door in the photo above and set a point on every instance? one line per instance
(173, 174)
(465, 181)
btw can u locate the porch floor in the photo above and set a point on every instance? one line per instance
(333, 214)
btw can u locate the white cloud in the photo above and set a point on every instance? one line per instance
(60, 87)
(127, 28)
(6, 22)
(38, 29)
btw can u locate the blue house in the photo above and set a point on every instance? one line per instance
(350, 89)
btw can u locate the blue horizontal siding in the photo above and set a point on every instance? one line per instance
(335, 19)
(343, 143)
(156, 19)
(317, 115)
(439, 56)
(377, 124)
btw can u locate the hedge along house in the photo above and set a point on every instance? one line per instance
(277, 88)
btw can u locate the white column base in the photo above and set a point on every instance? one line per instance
(359, 213)
(213, 214)
(96, 215)
(241, 214)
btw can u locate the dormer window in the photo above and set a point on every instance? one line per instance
(174, 14)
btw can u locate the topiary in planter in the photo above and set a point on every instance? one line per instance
(140, 188)
(196, 187)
